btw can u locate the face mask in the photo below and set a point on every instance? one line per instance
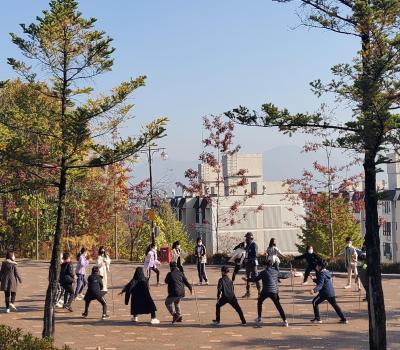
(349, 244)
(102, 251)
(310, 251)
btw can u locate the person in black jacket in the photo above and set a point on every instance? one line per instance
(67, 280)
(95, 292)
(141, 301)
(176, 282)
(201, 256)
(9, 279)
(269, 277)
(312, 260)
(251, 262)
(226, 295)
(325, 291)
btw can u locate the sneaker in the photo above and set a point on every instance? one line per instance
(59, 305)
(200, 283)
(315, 320)
(174, 318)
(180, 319)
(7, 311)
(215, 322)
(344, 321)
(81, 296)
(258, 320)
(285, 324)
(347, 286)
(135, 319)
(244, 323)
(154, 321)
(84, 315)
(105, 317)
(12, 306)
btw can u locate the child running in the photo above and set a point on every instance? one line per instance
(176, 282)
(141, 301)
(95, 292)
(226, 295)
(311, 259)
(325, 291)
(9, 278)
(269, 277)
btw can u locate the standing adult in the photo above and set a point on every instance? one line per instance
(176, 282)
(67, 281)
(176, 255)
(350, 260)
(151, 262)
(103, 263)
(81, 266)
(201, 256)
(9, 278)
(251, 262)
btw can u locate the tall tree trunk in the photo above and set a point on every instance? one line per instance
(376, 302)
(54, 269)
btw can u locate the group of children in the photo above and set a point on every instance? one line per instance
(138, 293)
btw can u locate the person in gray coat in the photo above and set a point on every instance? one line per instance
(9, 278)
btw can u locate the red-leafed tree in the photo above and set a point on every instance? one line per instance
(218, 143)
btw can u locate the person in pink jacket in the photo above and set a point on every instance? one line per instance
(81, 266)
(151, 262)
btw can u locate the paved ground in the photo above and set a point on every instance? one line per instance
(196, 332)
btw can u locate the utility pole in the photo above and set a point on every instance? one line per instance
(331, 233)
(37, 205)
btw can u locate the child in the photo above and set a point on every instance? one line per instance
(103, 263)
(176, 282)
(176, 255)
(239, 253)
(9, 278)
(311, 259)
(151, 262)
(95, 292)
(226, 295)
(67, 281)
(81, 266)
(325, 291)
(141, 301)
(201, 256)
(269, 277)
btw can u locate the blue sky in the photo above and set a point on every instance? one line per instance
(203, 57)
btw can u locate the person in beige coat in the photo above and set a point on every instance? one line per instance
(103, 263)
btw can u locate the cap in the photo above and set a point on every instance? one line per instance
(249, 235)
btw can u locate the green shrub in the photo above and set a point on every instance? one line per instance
(15, 339)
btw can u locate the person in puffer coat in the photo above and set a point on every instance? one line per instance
(325, 291)
(269, 277)
(9, 278)
(226, 295)
(141, 301)
(95, 292)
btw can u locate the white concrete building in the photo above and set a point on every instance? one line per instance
(263, 209)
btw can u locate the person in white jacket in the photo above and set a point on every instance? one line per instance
(151, 262)
(103, 263)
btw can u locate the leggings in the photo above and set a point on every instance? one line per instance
(275, 299)
(8, 296)
(157, 271)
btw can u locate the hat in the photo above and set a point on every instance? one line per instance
(249, 235)
(225, 269)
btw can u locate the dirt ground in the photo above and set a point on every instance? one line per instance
(196, 330)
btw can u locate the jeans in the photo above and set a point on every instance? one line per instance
(80, 284)
(101, 300)
(275, 299)
(251, 271)
(173, 301)
(201, 270)
(8, 296)
(234, 303)
(331, 300)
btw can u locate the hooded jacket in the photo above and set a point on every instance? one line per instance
(95, 286)
(225, 288)
(9, 276)
(324, 284)
(66, 273)
(269, 278)
(176, 282)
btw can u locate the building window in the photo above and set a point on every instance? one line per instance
(387, 228)
(212, 190)
(387, 251)
(253, 187)
(386, 207)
